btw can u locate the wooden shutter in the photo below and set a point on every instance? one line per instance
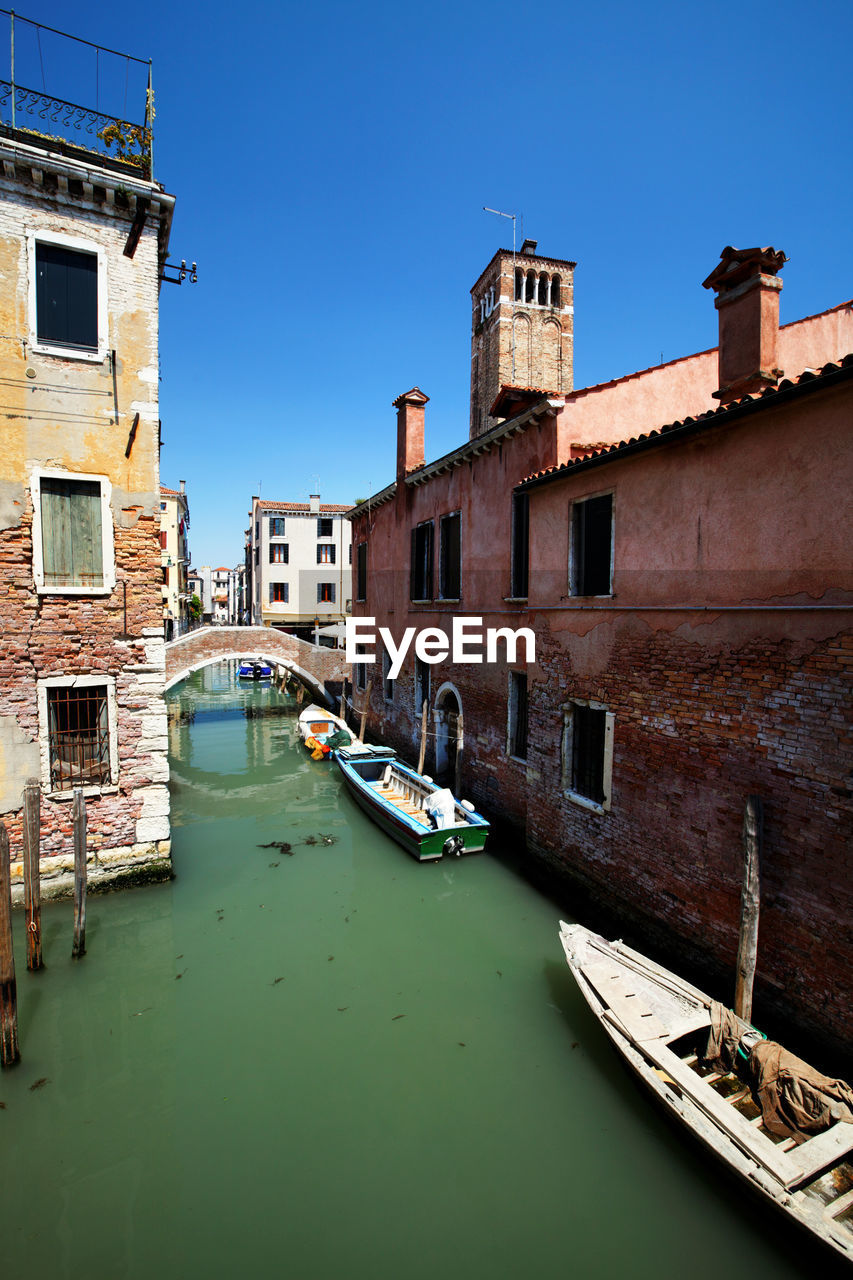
(72, 536)
(66, 297)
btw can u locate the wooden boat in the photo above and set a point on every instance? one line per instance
(318, 727)
(421, 816)
(250, 670)
(660, 1025)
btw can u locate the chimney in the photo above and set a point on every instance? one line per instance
(410, 431)
(747, 288)
(314, 503)
(529, 247)
(183, 485)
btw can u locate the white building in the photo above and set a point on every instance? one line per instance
(300, 561)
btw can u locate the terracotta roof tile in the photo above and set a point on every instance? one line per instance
(303, 508)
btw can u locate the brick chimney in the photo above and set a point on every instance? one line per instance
(410, 431)
(747, 288)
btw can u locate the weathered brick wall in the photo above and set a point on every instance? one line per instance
(128, 828)
(698, 729)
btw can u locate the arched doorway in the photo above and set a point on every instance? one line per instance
(448, 707)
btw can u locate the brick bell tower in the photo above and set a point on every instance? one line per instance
(521, 329)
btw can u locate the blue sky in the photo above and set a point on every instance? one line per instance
(331, 164)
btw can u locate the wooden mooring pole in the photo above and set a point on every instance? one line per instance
(364, 710)
(343, 708)
(422, 754)
(9, 1052)
(78, 818)
(747, 951)
(457, 781)
(32, 884)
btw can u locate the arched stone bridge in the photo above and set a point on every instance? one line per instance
(315, 665)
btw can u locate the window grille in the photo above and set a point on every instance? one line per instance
(79, 739)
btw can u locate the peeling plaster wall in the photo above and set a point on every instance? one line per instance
(84, 416)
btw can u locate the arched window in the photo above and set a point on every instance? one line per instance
(555, 291)
(519, 285)
(530, 291)
(543, 290)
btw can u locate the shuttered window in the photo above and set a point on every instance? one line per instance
(588, 752)
(592, 527)
(518, 715)
(72, 533)
(279, 592)
(361, 572)
(421, 562)
(66, 297)
(326, 553)
(450, 557)
(325, 593)
(279, 553)
(520, 544)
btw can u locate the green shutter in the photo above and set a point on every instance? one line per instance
(72, 542)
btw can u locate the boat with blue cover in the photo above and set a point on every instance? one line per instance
(249, 669)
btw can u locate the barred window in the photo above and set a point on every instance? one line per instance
(518, 714)
(78, 736)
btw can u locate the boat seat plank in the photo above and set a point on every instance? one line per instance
(726, 1117)
(840, 1205)
(626, 1002)
(823, 1149)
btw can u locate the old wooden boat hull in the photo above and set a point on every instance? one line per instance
(652, 1016)
(394, 796)
(316, 726)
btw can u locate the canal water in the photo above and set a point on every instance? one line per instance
(310, 1055)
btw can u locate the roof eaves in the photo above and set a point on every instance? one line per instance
(809, 380)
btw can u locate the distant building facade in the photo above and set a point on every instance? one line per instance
(175, 558)
(674, 540)
(300, 560)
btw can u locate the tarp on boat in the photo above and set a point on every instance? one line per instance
(794, 1098)
(441, 808)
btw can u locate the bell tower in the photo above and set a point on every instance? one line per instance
(521, 329)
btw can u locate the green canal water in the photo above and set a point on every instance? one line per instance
(335, 1062)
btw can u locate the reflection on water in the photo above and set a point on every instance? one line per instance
(311, 1055)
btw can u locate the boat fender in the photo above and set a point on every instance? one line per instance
(452, 845)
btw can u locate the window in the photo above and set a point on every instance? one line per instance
(349, 554)
(325, 527)
(164, 539)
(279, 553)
(326, 553)
(325, 593)
(449, 557)
(360, 670)
(518, 714)
(257, 555)
(67, 307)
(591, 546)
(520, 545)
(587, 754)
(387, 683)
(421, 562)
(422, 674)
(72, 533)
(77, 731)
(361, 571)
(279, 592)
